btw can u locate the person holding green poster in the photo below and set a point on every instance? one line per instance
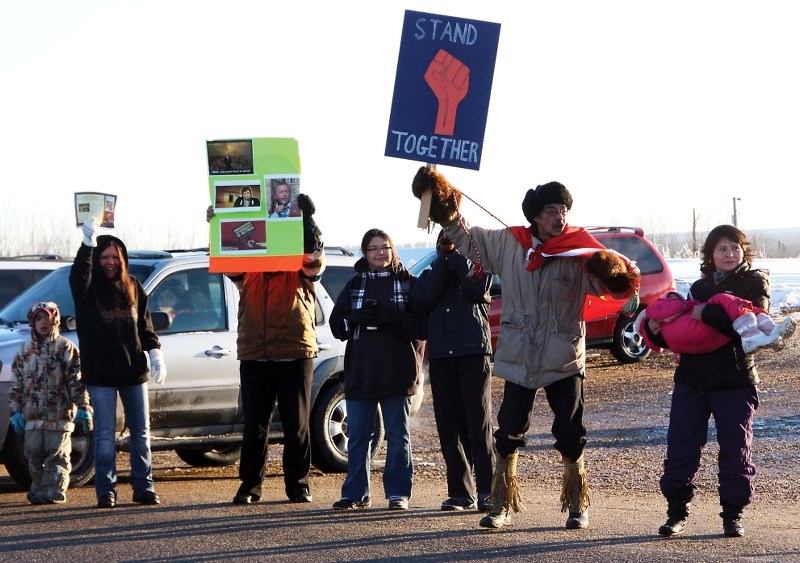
(276, 344)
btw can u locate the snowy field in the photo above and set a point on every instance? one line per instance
(784, 275)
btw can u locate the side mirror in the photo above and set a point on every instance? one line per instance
(69, 323)
(161, 320)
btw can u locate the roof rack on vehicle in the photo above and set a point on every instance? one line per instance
(33, 257)
(340, 249)
(616, 229)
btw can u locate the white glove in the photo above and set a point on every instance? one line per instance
(89, 234)
(158, 369)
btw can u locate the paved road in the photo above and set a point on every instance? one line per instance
(197, 522)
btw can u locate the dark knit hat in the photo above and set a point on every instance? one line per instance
(552, 192)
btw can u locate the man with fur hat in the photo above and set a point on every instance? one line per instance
(548, 270)
(47, 398)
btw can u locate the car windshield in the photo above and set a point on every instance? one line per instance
(53, 287)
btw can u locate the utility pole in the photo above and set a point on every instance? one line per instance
(735, 199)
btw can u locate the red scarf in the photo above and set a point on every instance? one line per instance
(574, 242)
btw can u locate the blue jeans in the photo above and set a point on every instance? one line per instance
(137, 418)
(398, 473)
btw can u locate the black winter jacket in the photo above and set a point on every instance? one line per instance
(113, 337)
(381, 360)
(458, 323)
(728, 366)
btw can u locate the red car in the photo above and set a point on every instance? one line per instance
(614, 332)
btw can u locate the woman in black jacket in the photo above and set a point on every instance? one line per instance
(382, 362)
(115, 330)
(722, 384)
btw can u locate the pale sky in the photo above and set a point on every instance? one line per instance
(646, 111)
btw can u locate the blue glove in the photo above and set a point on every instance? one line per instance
(18, 422)
(84, 417)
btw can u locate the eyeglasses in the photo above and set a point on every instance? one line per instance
(553, 211)
(375, 249)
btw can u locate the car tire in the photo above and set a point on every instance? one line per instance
(210, 457)
(329, 430)
(82, 459)
(628, 347)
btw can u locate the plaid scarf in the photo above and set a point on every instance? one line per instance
(401, 291)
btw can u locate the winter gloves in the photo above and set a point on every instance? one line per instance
(84, 417)
(376, 316)
(158, 369)
(18, 422)
(445, 198)
(312, 236)
(89, 232)
(611, 269)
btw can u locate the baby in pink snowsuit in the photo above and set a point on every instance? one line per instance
(687, 335)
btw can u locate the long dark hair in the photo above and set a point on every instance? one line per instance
(372, 233)
(712, 240)
(126, 290)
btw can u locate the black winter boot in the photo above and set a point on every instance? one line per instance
(732, 520)
(677, 512)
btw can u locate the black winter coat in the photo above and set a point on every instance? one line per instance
(728, 366)
(458, 323)
(113, 338)
(385, 360)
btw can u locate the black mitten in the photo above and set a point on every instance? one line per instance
(445, 198)
(312, 236)
(613, 271)
(388, 316)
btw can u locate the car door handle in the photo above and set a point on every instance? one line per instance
(322, 346)
(218, 351)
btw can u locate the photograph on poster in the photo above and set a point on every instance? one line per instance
(95, 204)
(237, 195)
(282, 190)
(230, 157)
(243, 237)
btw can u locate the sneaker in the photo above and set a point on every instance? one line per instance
(40, 499)
(497, 518)
(673, 527)
(245, 499)
(148, 498)
(732, 527)
(107, 500)
(578, 520)
(350, 504)
(300, 495)
(484, 505)
(459, 503)
(398, 503)
(785, 328)
(759, 340)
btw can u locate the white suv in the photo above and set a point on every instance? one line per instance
(18, 273)
(197, 412)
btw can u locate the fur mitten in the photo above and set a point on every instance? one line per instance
(445, 197)
(611, 269)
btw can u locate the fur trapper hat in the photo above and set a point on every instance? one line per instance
(536, 199)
